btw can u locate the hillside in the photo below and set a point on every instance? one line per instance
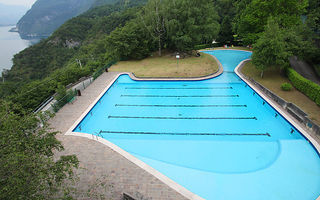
(10, 14)
(39, 60)
(46, 16)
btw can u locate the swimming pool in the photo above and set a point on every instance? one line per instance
(217, 138)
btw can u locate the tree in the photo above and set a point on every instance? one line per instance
(187, 25)
(129, 42)
(153, 19)
(27, 167)
(227, 11)
(225, 34)
(253, 18)
(270, 49)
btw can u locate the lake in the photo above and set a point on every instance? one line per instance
(11, 44)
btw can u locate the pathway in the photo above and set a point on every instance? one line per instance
(98, 163)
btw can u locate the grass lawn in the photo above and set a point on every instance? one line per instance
(166, 66)
(236, 48)
(273, 80)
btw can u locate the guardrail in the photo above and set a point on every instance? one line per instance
(80, 85)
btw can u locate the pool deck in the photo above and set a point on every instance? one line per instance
(99, 163)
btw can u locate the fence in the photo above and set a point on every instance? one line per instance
(102, 69)
(51, 104)
(69, 97)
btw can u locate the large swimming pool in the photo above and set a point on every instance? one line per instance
(217, 137)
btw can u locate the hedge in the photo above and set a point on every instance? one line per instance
(307, 87)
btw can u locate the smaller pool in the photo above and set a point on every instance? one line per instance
(217, 138)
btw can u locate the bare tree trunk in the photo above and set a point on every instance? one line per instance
(261, 75)
(159, 38)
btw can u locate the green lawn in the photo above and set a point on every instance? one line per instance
(273, 80)
(236, 48)
(166, 66)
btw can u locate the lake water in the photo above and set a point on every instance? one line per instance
(11, 44)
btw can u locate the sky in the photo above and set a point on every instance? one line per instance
(27, 3)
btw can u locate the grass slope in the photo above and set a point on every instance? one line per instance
(273, 80)
(166, 66)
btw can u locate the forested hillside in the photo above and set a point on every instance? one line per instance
(131, 30)
(46, 16)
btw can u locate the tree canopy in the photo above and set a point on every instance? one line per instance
(255, 14)
(27, 167)
(270, 49)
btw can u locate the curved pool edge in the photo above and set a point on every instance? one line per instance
(169, 182)
(277, 107)
(172, 184)
(200, 78)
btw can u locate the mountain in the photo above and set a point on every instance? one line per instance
(46, 16)
(71, 38)
(43, 66)
(10, 14)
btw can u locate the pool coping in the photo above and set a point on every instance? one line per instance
(177, 187)
(277, 107)
(172, 184)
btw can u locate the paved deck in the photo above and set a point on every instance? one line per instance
(100, 164)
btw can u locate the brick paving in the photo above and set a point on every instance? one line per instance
(101, 165)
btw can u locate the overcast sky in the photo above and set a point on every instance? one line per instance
(27, 3)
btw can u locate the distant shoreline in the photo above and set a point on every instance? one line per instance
(4, 25)
(14, 29)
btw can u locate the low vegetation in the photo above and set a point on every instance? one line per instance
(307, 87)
(168, 66)
(273, 81)
(286, 87)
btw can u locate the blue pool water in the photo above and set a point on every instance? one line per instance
(216, 137)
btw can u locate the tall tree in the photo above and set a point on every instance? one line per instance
(153, 18)
(227, 11)
(225, 34)
(129, 42)
(270, 49)
(187, 24)
(254, 17)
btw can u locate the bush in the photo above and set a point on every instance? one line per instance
(286, 87)
(307, 87)
(202, 46)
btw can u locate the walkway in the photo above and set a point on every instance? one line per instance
(99, 164)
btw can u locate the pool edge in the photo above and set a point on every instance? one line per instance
(200, 78)
(277, 107)
(172, 184)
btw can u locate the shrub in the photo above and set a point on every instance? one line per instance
(286, 87)
(307, 87)
(202, 46)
